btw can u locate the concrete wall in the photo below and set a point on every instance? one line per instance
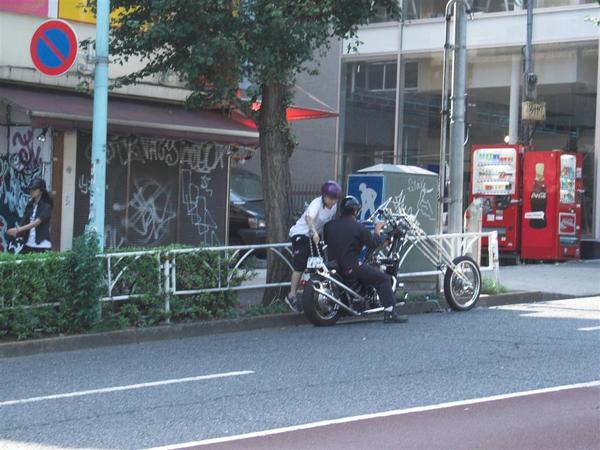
(16, 31)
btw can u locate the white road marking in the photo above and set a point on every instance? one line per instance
(377, 415)
(126, 388)
(589, 328)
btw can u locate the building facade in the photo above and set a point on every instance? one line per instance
(390, 89)
(167, 167)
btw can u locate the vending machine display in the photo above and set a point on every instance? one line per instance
(551, 207)
(495, 179)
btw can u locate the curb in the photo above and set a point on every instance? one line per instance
(139, 335)
(186, 330)
(513, 298)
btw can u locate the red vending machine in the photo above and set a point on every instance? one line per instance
(551, 225)
(495, 178)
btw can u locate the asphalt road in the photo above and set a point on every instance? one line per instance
(170, 392)
(567, 419)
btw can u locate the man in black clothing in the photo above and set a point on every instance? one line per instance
(345, 238)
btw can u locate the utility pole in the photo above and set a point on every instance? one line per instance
(457, 118)
(99, 130)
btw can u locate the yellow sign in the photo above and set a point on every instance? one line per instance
(79, 11)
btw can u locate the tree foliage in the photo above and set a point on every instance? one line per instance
(213, 45)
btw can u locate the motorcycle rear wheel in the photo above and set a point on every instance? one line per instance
(319, 311)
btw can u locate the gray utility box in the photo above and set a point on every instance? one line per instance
(413, 188)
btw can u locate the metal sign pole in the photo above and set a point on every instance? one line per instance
(98, 178)
(457, 119)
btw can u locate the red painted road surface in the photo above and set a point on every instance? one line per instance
(567, 419)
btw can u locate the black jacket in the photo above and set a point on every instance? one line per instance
(345, 238)
(44, 213)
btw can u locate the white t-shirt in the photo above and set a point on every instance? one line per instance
(31, 240)
(320, 214)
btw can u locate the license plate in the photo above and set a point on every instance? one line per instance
(314, 262)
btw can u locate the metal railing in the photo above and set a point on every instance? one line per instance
(113, 260)
(231, 261)
(455, 245)
(240, 254)
(167, 269)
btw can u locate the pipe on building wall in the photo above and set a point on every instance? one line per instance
(444, 118)
(513, 114)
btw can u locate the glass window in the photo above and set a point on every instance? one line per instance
(367, 115)
(381, 15)
(427, 9)
(390, 76)
(246, 185)
(360, 77)
(489, 6)
(423, 9)
(567, 83)
(411, 74)
(375, 76)
(554, 3)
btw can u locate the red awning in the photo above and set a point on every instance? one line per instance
(293, 114)
(64, 110)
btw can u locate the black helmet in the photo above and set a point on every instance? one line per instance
(37, 183)
(350, 206)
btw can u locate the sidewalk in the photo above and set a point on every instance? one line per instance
(577, 278)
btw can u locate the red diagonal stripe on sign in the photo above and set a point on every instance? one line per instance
(52, 47)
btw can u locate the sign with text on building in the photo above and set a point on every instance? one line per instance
(30, 7)
(53, 47)
(77, 10)
(534, 111)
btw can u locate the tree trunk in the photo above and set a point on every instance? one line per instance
(276, 147)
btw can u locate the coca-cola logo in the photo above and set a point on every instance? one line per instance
(567, 224)
(538, 195)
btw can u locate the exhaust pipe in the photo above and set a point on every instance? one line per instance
(336, 301)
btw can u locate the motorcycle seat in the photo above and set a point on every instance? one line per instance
(332, 265)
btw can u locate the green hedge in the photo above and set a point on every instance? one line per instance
(59, 293)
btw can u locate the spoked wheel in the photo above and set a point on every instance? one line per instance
(318, 309)
(462, 285)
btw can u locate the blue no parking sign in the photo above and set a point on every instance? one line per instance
(53, 47)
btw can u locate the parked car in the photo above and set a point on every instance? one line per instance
(247, 225)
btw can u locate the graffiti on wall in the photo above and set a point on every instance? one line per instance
(161, 191)
(151, 207)
(423, 209)
(194, 197)
(22, 158)
(199, 157)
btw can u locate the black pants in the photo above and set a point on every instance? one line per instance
(301, 248)
(382, 282)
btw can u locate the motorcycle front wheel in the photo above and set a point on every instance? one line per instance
(462, 286)
(318, 309)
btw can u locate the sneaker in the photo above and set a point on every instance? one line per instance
(292, 303)
(394, 317)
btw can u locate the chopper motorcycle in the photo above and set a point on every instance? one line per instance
(328, 295)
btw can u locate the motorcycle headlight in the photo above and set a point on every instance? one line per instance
(253, 222)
